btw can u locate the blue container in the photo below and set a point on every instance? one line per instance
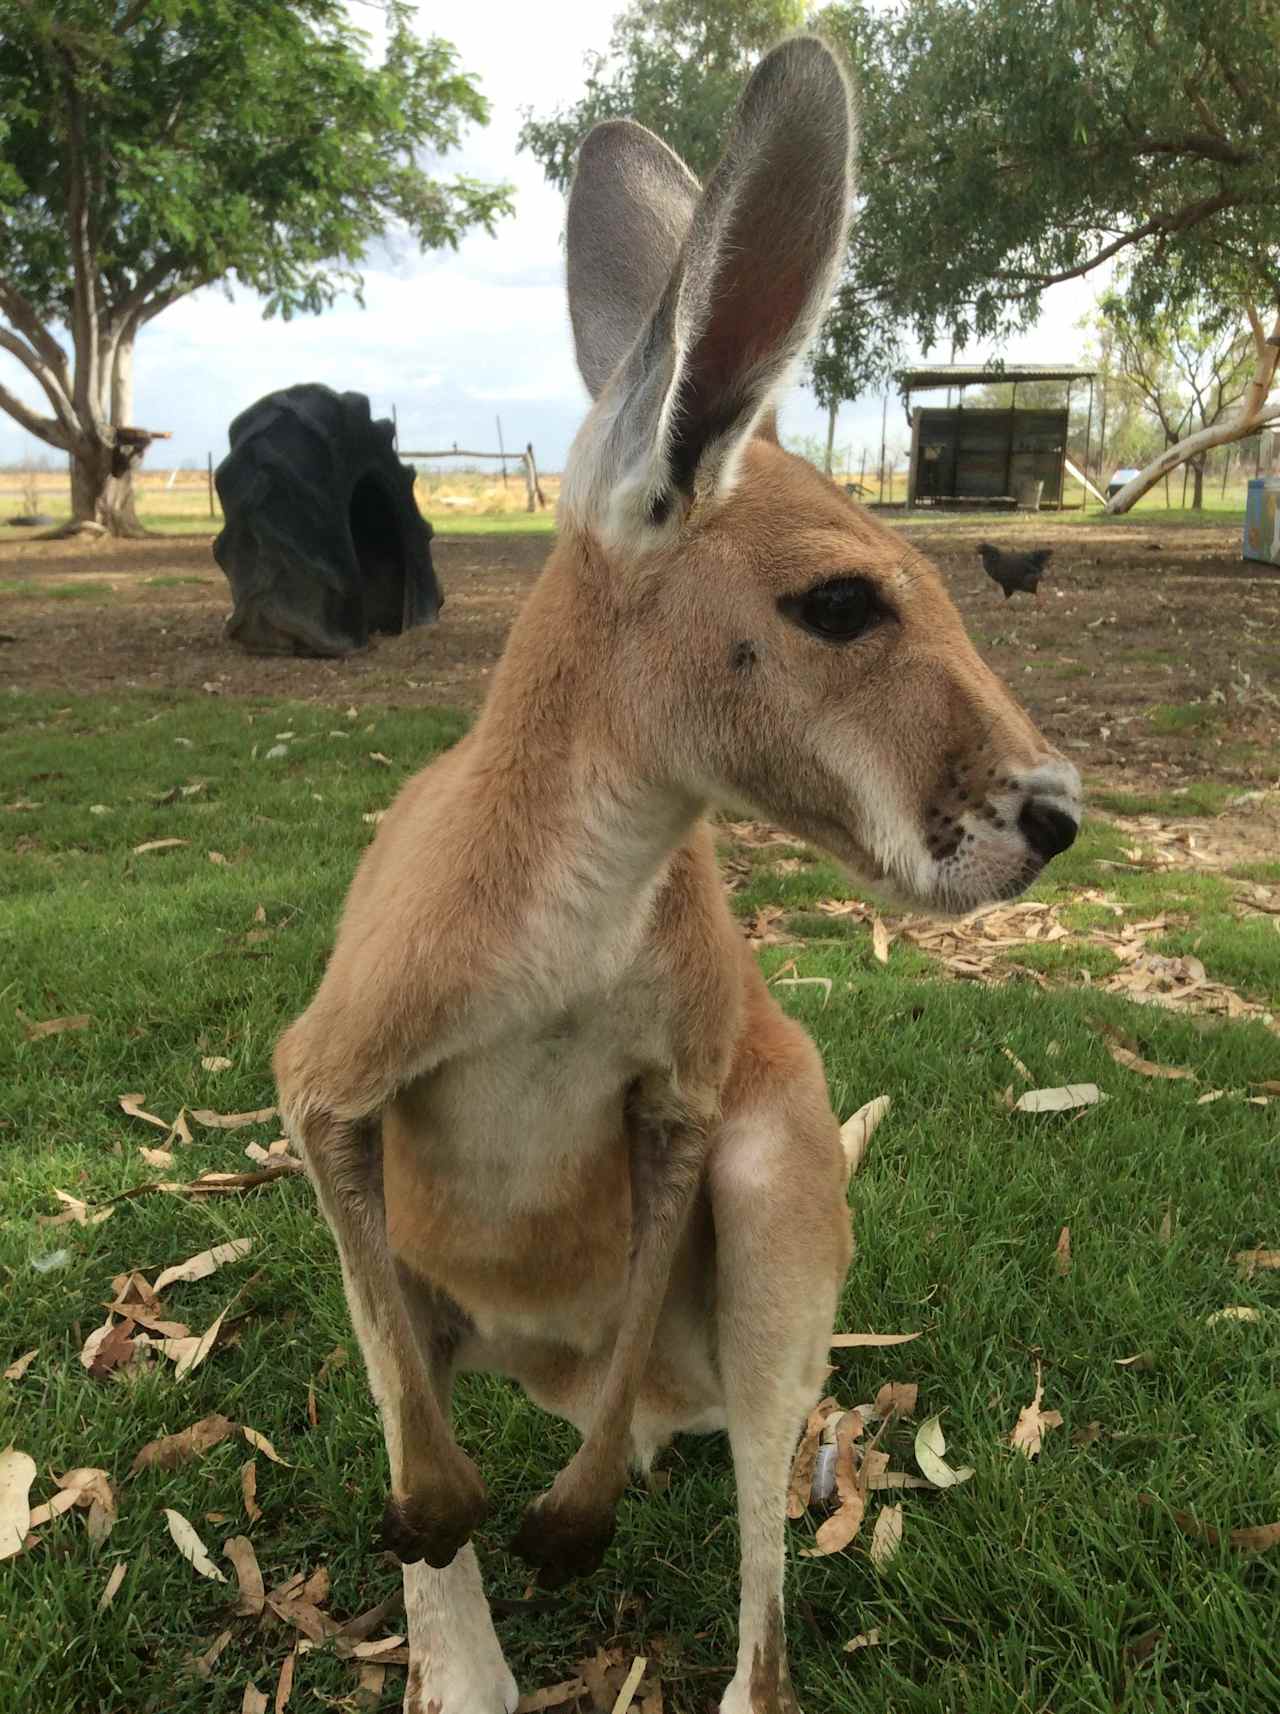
(1262, 520)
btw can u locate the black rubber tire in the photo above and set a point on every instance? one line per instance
(323, 543)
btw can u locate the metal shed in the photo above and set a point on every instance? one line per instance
(988, 457)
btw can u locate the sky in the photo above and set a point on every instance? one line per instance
(455, 340)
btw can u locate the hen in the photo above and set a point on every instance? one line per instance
(1014, 571)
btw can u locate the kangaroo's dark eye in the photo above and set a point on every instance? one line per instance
(837, 611)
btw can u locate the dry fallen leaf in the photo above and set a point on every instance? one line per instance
(263, 1445)
(216, 1062)
(858, 1130)
(54, 1508)
(253, 1702)
(173, 1450)
(886, 1538)
(148, 1319)
(1146, 1067)
(1061, 1100)
(112, 1589)
(109, 1347)
(1248, 1261)
(190, 1546)
(200, 1266)
(1029, 1430)
(857, 1341)
(157, 1157)
(232, 1121)
(249, 1489)
(90, 1487)
(159, 845)
(630, 1684)
(284, 1685)
(74, 1212)
(1140, 1360)
(18, 1368)
(806, 1455)
(836, 1532)
(1235, 1312)
(568, 1691)
(203, 1664)
(897, 1398)
(370, 1678)
(1062, 1252)
(1250, 1538)
(879, 940)
(864, 1640)
(239, 1550)
(55, 1026)
(192, 1359)
(372, 1650)
(130, 1104)
(930, 1446)
(17, 1473)
(1086, 1436)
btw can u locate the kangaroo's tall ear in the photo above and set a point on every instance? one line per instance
(743, 298)
(629, 214)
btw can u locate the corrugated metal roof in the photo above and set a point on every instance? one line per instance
(984, 374)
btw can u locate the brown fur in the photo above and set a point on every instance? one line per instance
(559, 1125)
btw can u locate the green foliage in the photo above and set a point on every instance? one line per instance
(250, 139)
(1184, 367)
(677, 66)
(679, 69)
(1012, 143)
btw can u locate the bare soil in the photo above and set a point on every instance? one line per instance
(1154, 658)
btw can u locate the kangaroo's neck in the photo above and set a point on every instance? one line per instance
(565, 768)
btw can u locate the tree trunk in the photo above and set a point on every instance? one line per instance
(833, 410)
(1253, 413)
(101, 496)
(102, 490)
(1197, 492)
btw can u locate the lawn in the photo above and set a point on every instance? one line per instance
(1079, 1582)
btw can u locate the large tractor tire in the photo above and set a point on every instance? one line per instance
(323, 543)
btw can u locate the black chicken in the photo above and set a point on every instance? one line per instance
(1014, 571)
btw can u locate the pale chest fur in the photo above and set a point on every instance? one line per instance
(506, 1169)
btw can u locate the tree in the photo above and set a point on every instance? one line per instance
(678, 66)
(1190, 370)
(152, 147)
(1015, 144)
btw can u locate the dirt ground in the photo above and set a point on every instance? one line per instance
(1153, 658)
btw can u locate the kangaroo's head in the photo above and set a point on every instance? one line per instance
(772, 647)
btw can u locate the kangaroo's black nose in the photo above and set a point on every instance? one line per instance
(1046, 828)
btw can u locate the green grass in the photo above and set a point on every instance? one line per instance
(1202, 797)
(1173, 718)
(1020, 1590)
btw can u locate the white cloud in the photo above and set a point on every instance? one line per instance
(451, 340)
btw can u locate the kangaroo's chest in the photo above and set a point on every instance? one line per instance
(506, 1172)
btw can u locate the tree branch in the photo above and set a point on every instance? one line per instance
(1191, 215)
(43, 428)
(88, 380)
(17, 309)
(31, 362)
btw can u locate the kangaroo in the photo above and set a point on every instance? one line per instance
(561, 1129)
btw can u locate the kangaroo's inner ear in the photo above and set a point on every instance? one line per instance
(629, 213)
(742, 297)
